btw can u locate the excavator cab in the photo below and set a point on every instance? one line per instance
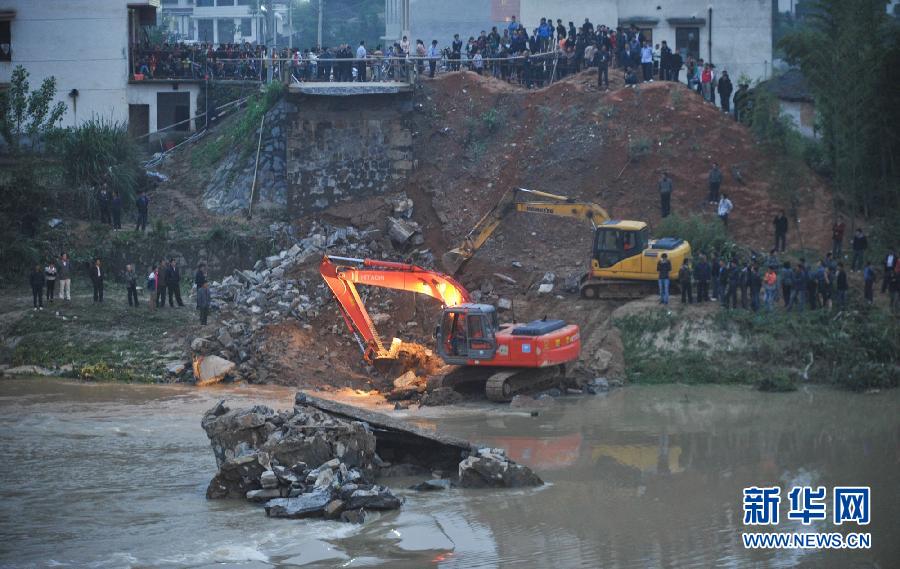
(468, 332)
(616, 241)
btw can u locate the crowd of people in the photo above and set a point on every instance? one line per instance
(53, 281)
(759, 282)
(550, 51)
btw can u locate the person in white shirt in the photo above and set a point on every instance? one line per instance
(725, 207)
(434, 54)
(647, 61)
(361, 63)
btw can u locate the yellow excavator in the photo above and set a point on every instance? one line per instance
(623, 256)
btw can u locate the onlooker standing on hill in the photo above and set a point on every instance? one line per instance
(715, 182)
(837, 237)
(65, 277)
(131, 285)
(702, 275)
(684, 281)
(200, 275)
(203, 302)
(860, 244)
(161, 285)
(770, 287)
(647, 61)
(36, 280)
(116, 207)
(754, 281)
(787, 283)
(842, 286)
(890, 260)
(142, 203)
(173, 283)
(724, 209)
(781, 229)
(50, 276)
(663, 268)
(665, 194)
(798, 296)
(733, 284)
(603, 68)
(869, 282)
(103, 199)
(97, 275)
(725, 88)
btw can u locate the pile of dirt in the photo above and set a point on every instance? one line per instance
(479, 137)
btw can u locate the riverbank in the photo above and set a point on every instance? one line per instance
(692, 344)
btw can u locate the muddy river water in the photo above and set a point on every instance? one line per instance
(114, 476)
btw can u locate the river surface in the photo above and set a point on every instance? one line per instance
(114, 476)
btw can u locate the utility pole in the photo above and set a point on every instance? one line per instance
(321, 7)
(291, 24)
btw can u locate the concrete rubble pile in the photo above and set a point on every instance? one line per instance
(286, 287)
(311, 462)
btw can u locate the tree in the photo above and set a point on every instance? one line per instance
(849, 51)
(29, 112)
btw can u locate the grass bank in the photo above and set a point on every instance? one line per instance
(102, 342)
(855, 349)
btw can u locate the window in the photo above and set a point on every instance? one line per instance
(164, 2)
(204, 3)
(245, 3)
(226, 30)
(246, 30)
(224, 2)
(205, 31)
(687, 42)
(5, 41)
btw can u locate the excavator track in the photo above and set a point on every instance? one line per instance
(504, 385)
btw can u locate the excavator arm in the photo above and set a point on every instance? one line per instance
(342, 274)
(536, 202)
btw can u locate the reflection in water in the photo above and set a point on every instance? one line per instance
(114, 476)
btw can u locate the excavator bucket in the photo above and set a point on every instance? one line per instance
(454, 259)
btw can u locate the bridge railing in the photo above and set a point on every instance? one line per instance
(540, 68)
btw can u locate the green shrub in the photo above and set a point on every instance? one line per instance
(705, 235)
(638, 147)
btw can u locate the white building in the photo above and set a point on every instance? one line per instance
(224, 21)
(734, 34)
(87, 46)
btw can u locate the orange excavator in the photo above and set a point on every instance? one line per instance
(526, 356)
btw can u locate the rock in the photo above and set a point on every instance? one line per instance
(406, 380)
(332, 464)
(600, 383)
(273, 261)
(212, 369)
(504, 304)
(201, 346)
(492, 469)
(377, 498)
(528, 402)
(517, 264)
(354, 516)
(268, 480)
(324, 479)
(548, 278)
(333, 509)
(175, 368)
(506, 278)
(441, 396)
(225, 339)
(28, 370)
(428, 485)
(545, 288)
(303, 506)
(400, 230)
(235, 478)
(263, 495)
(285, 475)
